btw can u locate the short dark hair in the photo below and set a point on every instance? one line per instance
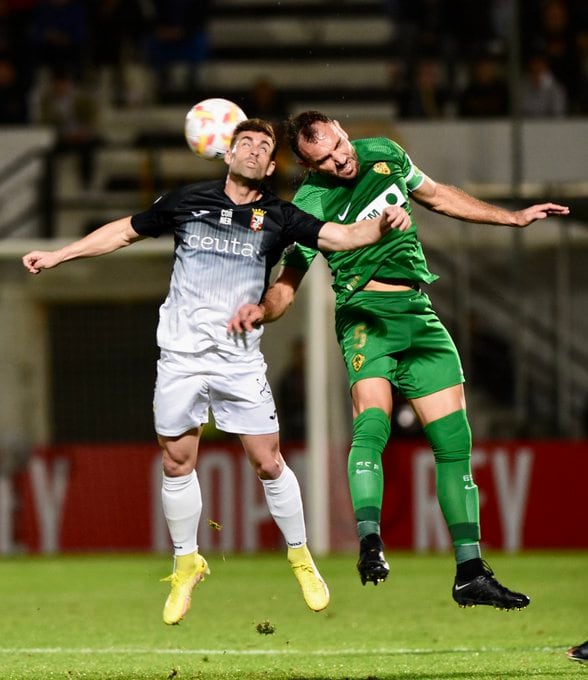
(302, 127)
(257, 125)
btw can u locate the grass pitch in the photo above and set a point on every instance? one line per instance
(99, 618)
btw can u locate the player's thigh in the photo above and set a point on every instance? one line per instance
(240, 397)
(439, 404)
(180, 401)
(371, 393)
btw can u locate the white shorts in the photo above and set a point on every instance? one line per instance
(235, 388)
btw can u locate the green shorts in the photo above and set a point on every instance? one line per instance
(397, 336)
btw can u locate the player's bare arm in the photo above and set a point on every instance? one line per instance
(106, 239)
(454, 202)
(277, 299)
(334, 236)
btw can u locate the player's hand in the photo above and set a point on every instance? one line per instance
(37, 260)
(395, 217)
(247, 318)
(539, 212)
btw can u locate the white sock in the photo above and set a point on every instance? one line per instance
(285, 505)
(182, 506)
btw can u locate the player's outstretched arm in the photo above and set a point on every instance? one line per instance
(278, 297)
(334, 236)
(454, 202)
(106, 239)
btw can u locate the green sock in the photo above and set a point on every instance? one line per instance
(459, 503)
(371, 430)
(450, 439)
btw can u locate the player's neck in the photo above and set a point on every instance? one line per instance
(241, 192)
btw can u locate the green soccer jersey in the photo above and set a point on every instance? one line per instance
(386, 176)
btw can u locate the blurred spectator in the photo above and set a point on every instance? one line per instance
(502, 18)
(13, 96)
(425, 94)
(177, 45)
(459, 30)
(15, 22)
(455, 31)
(74, 113)
(422, 27)
(266, 101)
(543, 96)
(473, 27)
(123, 24)
(59, 35)
(485, 94)
(291, 397)
(554, 35)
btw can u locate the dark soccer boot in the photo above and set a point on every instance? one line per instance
(372, 565)
(579, 653)
(485, 589)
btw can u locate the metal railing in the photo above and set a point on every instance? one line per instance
(26, 194)
(549, 352)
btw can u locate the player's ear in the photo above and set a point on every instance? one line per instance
(270, 169)
(228, 155)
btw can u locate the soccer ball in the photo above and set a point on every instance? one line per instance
(209, 127)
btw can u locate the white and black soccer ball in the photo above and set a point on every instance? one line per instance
(209, 126)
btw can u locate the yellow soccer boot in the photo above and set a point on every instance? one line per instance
(189, 571)
(314, 589)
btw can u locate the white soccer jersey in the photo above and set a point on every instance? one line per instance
(223, 257)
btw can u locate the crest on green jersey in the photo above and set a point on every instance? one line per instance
(357, 361)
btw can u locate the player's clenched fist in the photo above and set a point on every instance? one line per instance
(37, 260)
(396, 218)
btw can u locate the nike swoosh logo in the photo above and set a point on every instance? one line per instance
(343, 215)
(199, 213)
(473, 486)
(361, 472)
(465, 585)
